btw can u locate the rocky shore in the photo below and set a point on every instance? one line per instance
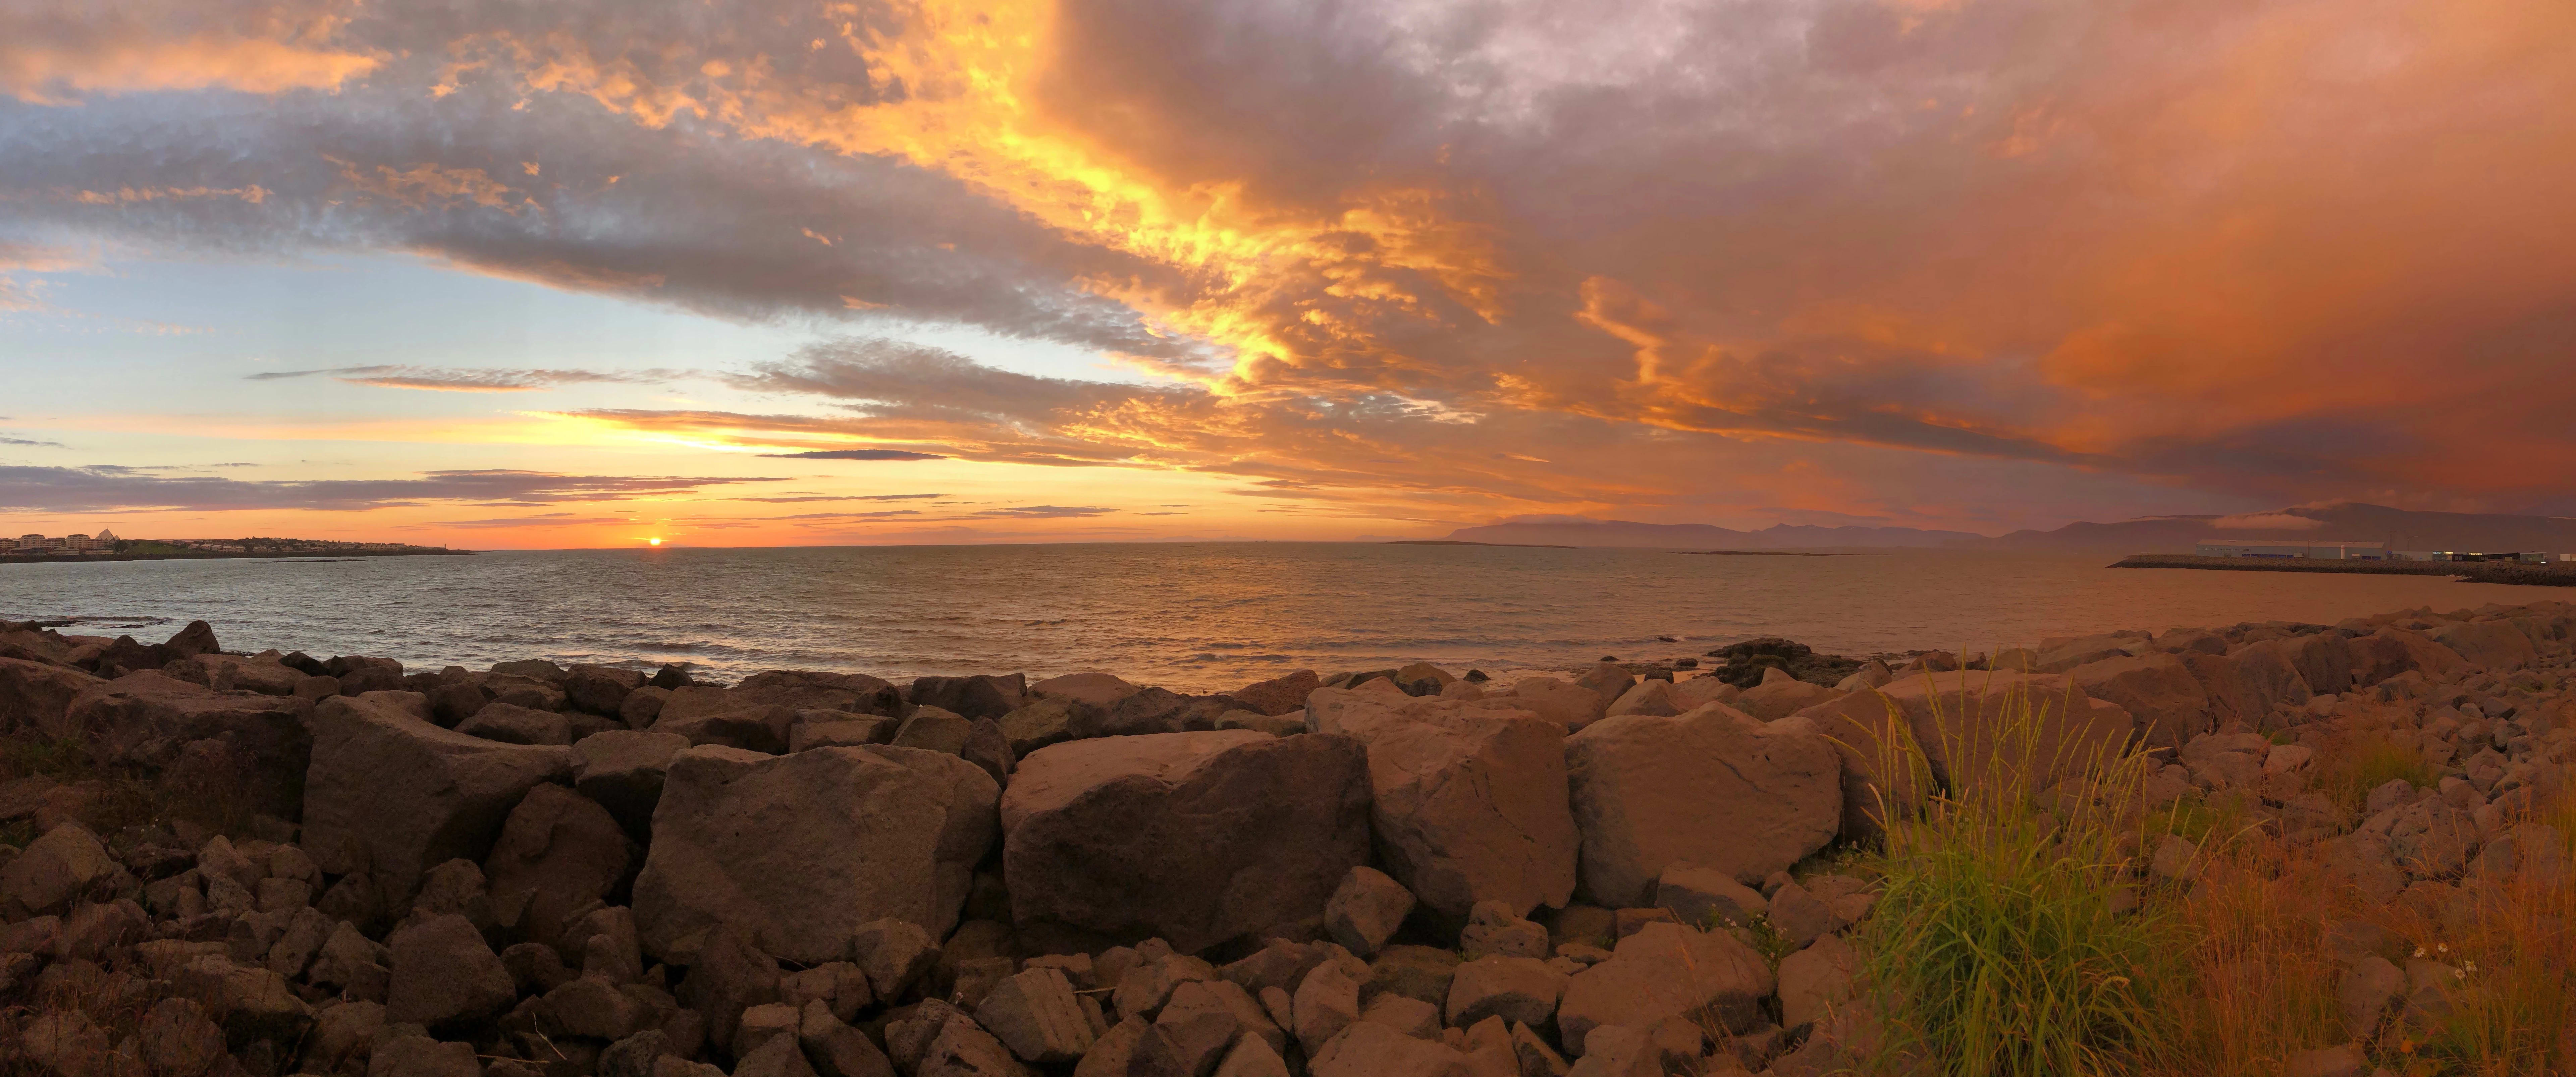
(257, 865)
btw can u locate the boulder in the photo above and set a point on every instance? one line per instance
(2390, 651)
(558, 856)
(38, 696)
(1558, 701)
(1326, 1002)
(836, 729)
(513, 724)
(1049, 720)
(1467, 799)
(1607, 680)
(934, 729)
(226, 672)
(1516, 989)
(2156, 689)
(1703, 897)
(1648, 697)
(1037, 1016)
(749, 840)
(980, 696)
(177, 1040)
(2493, 645)
(54, 870)
(2247, 683)
(1816, 980)
(1711, 787)
(1279, 695)
(389, 795)
(728, 975)
(1781, 695)
(836, 1049)
(152, 719)
(621, 771)
(1370, 1049)
(444, 974)
(1365, 910)
(1191, 837)
(1098, 689)
(1662, 971)
(2324, 661)
(1146, 711)
(758, 713)
(601, 690)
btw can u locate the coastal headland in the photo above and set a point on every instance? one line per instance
(2541, 575)
(223, 863)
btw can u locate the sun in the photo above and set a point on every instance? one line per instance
(652, 542)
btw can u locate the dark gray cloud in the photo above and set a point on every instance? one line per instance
(798, 498)
(31, 443)
(107, 488)
(856, 454)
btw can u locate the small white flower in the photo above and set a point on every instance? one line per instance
(2419, 951)
(2470, 966)
(2459, 974)
(2443, 947)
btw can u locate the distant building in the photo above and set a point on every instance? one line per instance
(2524, 557)
(2319, 551)
(105, 537)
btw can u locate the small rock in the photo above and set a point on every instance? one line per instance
(443, 974)
(1366, 909)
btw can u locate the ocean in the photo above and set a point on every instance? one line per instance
(1192, 617)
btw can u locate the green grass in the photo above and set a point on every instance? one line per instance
(2368, 762)
(1995, 947)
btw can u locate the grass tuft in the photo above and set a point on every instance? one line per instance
(2000, 947)
(2368, 761)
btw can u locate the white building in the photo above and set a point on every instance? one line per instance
(2313, 550)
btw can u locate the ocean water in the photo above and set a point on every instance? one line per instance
(1202, 617)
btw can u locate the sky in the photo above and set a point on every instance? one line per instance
(509, 274)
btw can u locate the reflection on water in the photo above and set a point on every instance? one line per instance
(1199, 616)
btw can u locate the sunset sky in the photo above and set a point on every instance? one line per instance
(592, 272)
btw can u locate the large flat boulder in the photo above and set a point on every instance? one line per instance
(392, 795)
(979, 696)
(38, 695)
(1558, 700)
(1193, 837)
(1468, 800)
(801, 850)
(2249, 683)
(759, 713)
(2390, 651)
(2157, 689)
(2488, 644)
(1712, 787)
(258, 742)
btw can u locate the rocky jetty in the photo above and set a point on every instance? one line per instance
(258, 865)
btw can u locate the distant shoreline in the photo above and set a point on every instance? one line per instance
(1760, 553)
(341, 555)
(1464, 542)
(2467, 571)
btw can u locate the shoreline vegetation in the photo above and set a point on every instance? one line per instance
(2550, 575)
(2261, 849)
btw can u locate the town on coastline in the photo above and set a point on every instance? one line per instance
(2338, 550)
(105, 545)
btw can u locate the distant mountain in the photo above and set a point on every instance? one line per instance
(2348, 521)
(2400, 529)
(1576, 531)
